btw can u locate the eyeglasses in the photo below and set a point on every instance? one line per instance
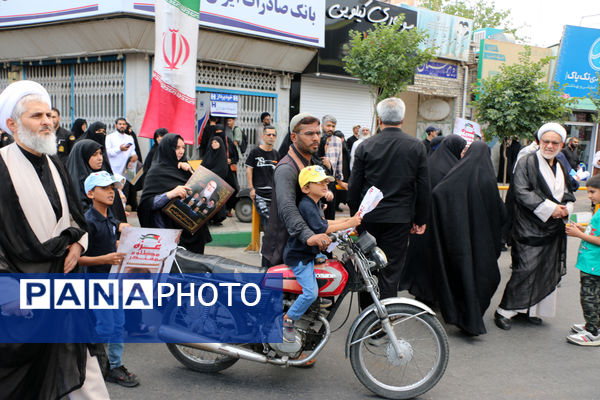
(547, 142)
(270, 134)
(317, 133)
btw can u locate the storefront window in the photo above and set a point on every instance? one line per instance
(585, 133)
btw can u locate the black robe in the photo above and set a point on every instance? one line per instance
(162, 177)
(37, 371)
(418, 275)
(512, 151)
(216, 161)
(465, 229)
(469, 214)
(538, 248)
(444, 157)
(77, 128)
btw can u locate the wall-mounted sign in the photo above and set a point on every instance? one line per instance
(493, 54)
(224, 105)
(17, 12)
(578, 60)
(342, 16)
(371, 11)
(439, 69)
(451, 35)
(298, 21)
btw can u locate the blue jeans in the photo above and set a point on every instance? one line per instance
(305, 274)
(109, 326)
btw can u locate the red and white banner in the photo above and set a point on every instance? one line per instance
(172, 101)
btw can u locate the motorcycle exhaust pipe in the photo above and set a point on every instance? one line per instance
(172, 335)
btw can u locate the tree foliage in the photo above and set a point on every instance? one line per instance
(484, 13)
(518, 100)
(386, 57)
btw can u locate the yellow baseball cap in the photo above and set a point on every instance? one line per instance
(313, 173)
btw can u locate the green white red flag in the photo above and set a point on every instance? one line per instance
(172, 101)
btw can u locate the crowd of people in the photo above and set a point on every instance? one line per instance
(442, 222)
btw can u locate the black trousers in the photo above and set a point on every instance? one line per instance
(330, 210)
(392, 238)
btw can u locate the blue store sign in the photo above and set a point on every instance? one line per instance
(578, 60)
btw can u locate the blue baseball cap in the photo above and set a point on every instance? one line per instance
(102, 179)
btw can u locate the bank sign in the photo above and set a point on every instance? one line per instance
(296, 21)
(578, 60)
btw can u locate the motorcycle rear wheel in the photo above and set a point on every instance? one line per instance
(425, 353)
(200, 360)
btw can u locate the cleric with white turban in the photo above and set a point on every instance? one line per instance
(42, 230)
(15, 92)
(552, 127)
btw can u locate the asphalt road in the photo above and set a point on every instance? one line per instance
(527, 362)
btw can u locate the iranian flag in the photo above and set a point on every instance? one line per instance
(172, 101)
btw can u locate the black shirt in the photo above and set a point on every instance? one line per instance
(263, 165)
(350, 142)
(396, 164)
(296, 250)
(42, 169)
(103, 236)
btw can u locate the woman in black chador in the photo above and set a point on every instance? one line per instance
(215, 159)
(87, 157)
(164, 182)
(468, 215)
(420, 271)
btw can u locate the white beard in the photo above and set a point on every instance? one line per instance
(45, 144)
(549, 156)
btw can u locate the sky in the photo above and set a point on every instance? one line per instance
(543, 20)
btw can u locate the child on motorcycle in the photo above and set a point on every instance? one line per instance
(298, 255)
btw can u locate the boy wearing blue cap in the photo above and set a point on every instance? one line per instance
(101, 254)
(297, 254)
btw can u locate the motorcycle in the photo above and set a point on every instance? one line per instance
(397, 347)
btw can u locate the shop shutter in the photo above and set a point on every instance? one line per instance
(90, 90)
(349, 102)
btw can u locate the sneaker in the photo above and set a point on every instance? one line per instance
(121, 376)
(584, 339)
(289, 335)
(578, 328)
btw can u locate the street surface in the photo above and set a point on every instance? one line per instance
(527, 362)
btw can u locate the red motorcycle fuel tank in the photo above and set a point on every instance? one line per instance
(331, 278)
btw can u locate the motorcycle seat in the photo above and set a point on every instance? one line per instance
(191, 262)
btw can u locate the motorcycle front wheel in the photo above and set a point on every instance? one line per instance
(423, 353)
(200, 360)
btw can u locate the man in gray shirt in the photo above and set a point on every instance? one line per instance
(284, 217)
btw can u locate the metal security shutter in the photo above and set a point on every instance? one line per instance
(4, 81)
(89, 90)
(98, 92)
(249, 107)
(349, 102)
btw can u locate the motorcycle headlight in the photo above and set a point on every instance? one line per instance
(379, 257)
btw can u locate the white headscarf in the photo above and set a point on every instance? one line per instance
(552, 127)
(15, 92)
